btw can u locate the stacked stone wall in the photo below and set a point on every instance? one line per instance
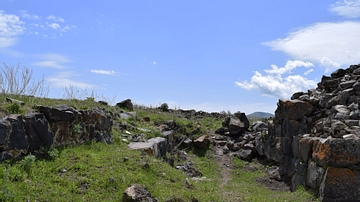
(315, 137)
(51, 126)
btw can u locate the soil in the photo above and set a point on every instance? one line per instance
(272, 182)
(226, 167)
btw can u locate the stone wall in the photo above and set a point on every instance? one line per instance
(315, 137)
(51, 126)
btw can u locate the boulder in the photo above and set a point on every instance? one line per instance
(235, 126)
(292, 109)
(245, 154)
(202, 142)
(138, 193)
(155, 147)
(59, 113)
(126, 104)
(242, 117)
(161, 144)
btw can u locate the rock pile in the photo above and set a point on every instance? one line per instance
(316, 137)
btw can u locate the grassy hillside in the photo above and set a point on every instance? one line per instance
(100, 172)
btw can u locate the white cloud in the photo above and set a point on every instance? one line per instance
(52, 60)
(347, 8)
(330, 44)
(54, 18)
(10, 28)
(54, 25)
(290, 65)
(308, 71)
(26, 15)
(7, 42)
(66, 28)
(107, 72)
(63, 79)
(276, 83)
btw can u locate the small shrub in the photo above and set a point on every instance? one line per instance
(164, 107)
(76, 128)
(14, 108)
(53, 153)
(27, 163)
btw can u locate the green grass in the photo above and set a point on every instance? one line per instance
(105, 174)
(102, 169)
(244, 187)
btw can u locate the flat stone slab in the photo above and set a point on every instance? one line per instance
(154, 147)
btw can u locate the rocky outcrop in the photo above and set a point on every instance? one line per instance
(51, 126)
(320, 130)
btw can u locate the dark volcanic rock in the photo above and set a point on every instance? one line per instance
(126, 104)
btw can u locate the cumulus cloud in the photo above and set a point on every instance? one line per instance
(10, 28)
(347, 8)
(54, 25)
(52, 60)
(279, 82)
(54, 18)
(330, 44)
(25, 14)
(107, 72)
(290, 65)
(64, 79)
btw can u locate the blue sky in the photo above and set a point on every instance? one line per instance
(203, 55)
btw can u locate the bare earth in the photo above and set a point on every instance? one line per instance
(226, 166)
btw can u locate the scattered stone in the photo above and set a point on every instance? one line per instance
(245, 154)
(138, 193)
(202, 142)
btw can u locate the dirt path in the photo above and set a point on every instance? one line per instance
(224, 161)
(225, 165)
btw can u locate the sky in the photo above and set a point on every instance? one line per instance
(208, 55)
